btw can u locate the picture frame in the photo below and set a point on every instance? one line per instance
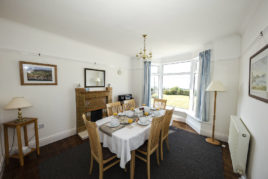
(37, 73)
(258, 75)
(94, 78)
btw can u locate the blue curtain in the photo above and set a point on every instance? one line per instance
(202, 107)
(147, 83)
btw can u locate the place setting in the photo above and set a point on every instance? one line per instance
(117, 121)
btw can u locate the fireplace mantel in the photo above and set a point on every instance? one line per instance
(87, 101)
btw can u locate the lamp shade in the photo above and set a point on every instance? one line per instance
(18, 103)
(215, 86)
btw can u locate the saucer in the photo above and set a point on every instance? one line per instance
(144, 124)
(112, 126)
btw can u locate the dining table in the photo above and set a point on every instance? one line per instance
(124, 141)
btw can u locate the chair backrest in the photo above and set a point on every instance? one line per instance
(113, 108)
(154, 136)
(128, 104)
(94, 139)
(166, 122)
(160, 103)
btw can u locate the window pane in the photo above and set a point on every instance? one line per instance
(154, 69)
(178, 67)
(176, 89)
(195, 91)
(154, 87)
(195, 83)
(181, 81)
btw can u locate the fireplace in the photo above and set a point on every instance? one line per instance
(91, 103)
(96, 115)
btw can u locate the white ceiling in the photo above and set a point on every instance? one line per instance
(173, 26)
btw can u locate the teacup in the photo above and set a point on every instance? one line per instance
(143, 120)
(137, 110)
(129, 113)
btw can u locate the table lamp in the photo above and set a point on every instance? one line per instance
(214, 86)
(18, 103)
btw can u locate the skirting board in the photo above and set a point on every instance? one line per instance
(218, 135)
(178, 118)
(203, 129)
(55, 137)
(196, 125)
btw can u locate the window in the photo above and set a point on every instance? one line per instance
(195, 84)
(176, 82)
(155, 82)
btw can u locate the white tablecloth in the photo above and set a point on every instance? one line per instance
(123, 141)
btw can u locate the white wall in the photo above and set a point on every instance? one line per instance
(253, 112)
(137, 80)
(224, 68)
(54, 106)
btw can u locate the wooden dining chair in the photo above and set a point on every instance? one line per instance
(100, 154)
(164, 130)
(129, 104)
(160, 103)
(113, 108)
(151, 145)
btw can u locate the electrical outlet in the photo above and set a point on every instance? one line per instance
(41, 126)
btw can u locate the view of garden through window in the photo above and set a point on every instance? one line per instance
(174, 83)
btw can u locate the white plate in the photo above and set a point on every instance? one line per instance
(109, 124)
(144, 124)
(121, 114)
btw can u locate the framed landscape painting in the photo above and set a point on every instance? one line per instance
(38, 73)
(258, 75)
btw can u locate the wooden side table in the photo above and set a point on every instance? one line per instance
(15, 124)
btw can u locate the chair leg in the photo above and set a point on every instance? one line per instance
(148, 167)
(157, 156)
(100, 171)
(167, 143)
(91, 164)
(161, 149)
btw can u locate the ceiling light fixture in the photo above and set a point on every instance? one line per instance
(142, 54)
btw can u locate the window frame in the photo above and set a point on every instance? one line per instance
(159, 76)
(192, 74)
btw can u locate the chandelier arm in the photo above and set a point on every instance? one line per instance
(143, 53)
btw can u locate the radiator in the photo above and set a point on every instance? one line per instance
(238, 144)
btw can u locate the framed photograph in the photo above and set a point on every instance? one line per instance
(94, 78)
(258, 75)
(38, 74)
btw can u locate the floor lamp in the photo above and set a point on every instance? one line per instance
(214, 86)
